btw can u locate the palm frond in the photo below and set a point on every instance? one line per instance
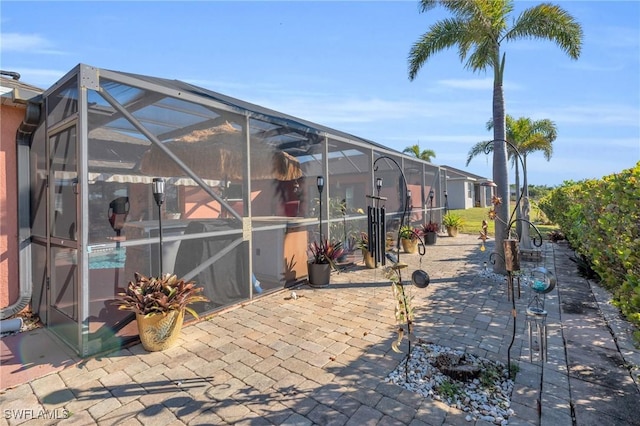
(550, 22)
(477, 149)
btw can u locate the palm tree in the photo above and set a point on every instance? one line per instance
(425, 154)
(526, 136)
(478, 28)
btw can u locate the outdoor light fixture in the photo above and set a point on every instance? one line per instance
(158, 190)
(379, 184)
(431, 194)
(158, 195)
(320, 183)
(224, 187)
(117, 213)
(446, 202)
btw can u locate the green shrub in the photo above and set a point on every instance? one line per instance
(601, 221)
(453, 220)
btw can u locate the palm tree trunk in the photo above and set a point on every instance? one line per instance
(525, 241)
(500, 172)
(518, 210)
(524, 179)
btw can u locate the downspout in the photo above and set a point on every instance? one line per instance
(24, 135)
(14, 75)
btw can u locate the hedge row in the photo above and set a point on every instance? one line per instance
(601, 220)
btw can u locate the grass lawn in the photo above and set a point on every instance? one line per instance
(473, 221)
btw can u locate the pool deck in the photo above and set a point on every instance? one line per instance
(322, 358)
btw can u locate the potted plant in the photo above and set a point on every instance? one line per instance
(453, 222)
(159, 305)
(323, 260)
(363, 245)
(409, 238)
(430, 232)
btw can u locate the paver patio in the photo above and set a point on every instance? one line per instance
(322, 358)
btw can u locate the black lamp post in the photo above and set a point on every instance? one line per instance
(446, 202)
(320, 182)
(410, 205)
(158, 195)
(431, 194)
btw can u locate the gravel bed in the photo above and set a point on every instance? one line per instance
(487, 397)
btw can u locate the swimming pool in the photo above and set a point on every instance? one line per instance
(110, 259)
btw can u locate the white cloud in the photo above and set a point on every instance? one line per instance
(218, 85)
(27, 43)
(598, 113)
(431, 139)
(475, 84)
(335, 111)
(43, 78)
(588, 66)
(616, 37)
(599, 142)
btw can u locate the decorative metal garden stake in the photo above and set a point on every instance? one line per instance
(512, 264)
(404, 311)
(510, 245)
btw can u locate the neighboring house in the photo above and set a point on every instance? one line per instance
(14, 114)
(466, 190)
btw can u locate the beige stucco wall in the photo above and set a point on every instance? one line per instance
(10, 119)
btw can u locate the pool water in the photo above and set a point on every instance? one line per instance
(108, 259)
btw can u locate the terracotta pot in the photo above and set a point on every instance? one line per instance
(319, 274)
(369, 262)
(409, 246)
(452, 231)
(160, 331)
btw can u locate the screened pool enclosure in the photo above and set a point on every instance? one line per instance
(241, 197)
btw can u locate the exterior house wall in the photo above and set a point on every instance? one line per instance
(467, 190)
(10, 119)
(487, 193)
(458, 195)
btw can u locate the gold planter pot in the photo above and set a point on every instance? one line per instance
(409, 245)
(160, 331)
(369, 262)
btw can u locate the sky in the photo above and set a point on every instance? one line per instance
(344, 64)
